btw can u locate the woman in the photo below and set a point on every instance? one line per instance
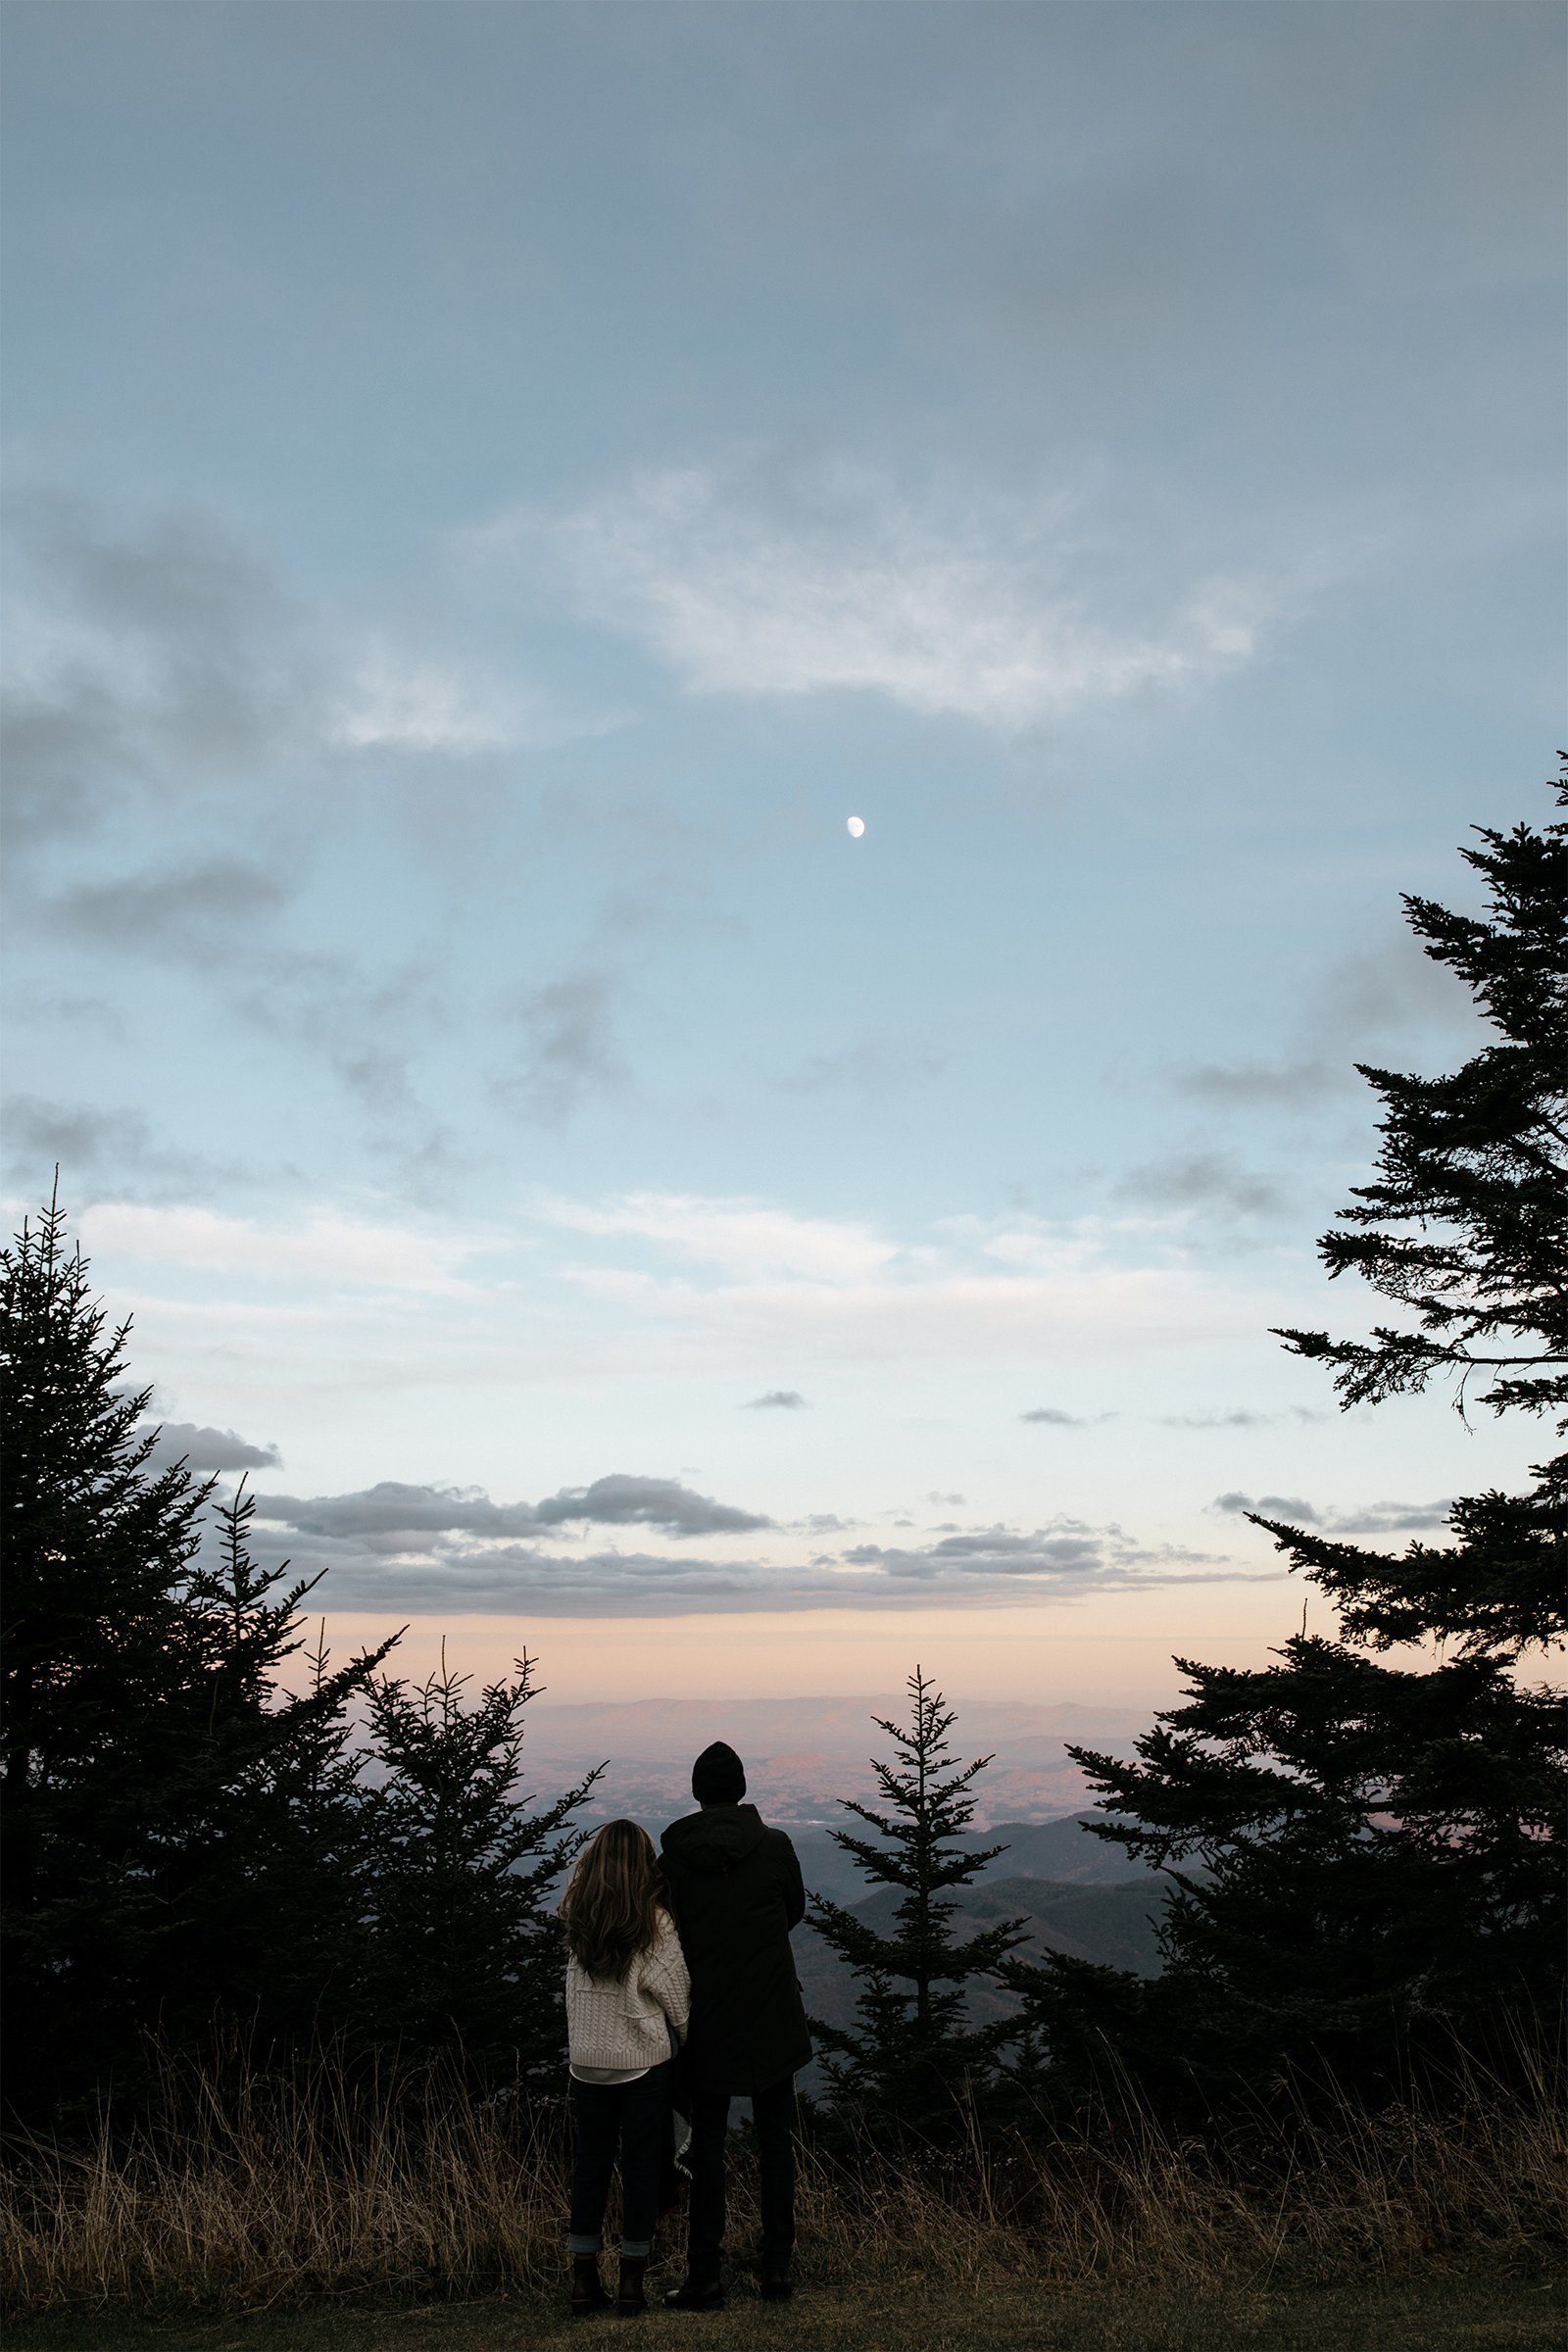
(628, 1998)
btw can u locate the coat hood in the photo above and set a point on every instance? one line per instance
(716, 1839)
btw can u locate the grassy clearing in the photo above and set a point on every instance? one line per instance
(1451, 2314)
(314, 2215)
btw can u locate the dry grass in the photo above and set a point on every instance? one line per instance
(274, 2193)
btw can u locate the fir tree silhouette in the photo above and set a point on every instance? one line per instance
(912, 2051)
(1372, 1850)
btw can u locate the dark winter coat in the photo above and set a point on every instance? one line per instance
(737, 1891)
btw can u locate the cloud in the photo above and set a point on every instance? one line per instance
(1365, 1519)
(783, 1401)
(1365, 1003)
(96, 1150)
(1067, 1553)
(324, 1252)
(393, 1510)
(743, 1237)
(1052, 1416)
(756, 1276)
(1243, 1084)
(622, 1502)
(377, 1563)
(1239, 1416)
(393, 700)
(1271, 1507)
(567, 1047)
(211, 915)
(203, 1448)
(1391, 1518)
(189, 910)
(158, 653)
(775, 574)
(1201, 1180)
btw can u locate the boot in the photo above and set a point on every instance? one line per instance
(773, 2282)
(629, 2296)
(587, 2291)
(698, 2294)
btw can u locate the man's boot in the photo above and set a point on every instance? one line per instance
(698, 2294)
(587, 2291)
(629, 2298)
(773, 2282)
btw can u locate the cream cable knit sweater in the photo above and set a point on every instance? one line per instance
(618, 2027)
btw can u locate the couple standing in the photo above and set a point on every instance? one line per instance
(686, 1957)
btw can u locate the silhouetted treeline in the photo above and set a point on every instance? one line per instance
(190, 1851)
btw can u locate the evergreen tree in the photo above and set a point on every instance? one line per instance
(96, 1546)
(1377, 1847)
(1466, 1225)
(912, 2049)
(159, 1801)
(466, 1950)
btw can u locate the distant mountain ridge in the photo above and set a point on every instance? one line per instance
(1063, 1852)
(802, 1755)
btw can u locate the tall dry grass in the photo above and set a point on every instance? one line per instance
(270, 2190)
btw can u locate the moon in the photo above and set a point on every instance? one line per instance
(856, 827)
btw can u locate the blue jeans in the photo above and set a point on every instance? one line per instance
(636, 2115)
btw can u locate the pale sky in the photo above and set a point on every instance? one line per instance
(492, 491)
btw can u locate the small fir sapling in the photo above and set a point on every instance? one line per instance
(911, 2053)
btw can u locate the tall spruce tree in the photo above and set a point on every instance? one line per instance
(1374, 1849)
(152, 1782)
(96, 1546)
(467, 1953)
(912, 2049)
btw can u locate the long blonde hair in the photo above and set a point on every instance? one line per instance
(610, 1909)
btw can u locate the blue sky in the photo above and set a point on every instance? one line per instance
(493, 489)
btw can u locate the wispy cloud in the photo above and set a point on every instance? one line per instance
(778, 1400)
(744, 1268)
(403, 702)
(567, 1045)
(1239, 1416)
(1366, 1003)
(1364, 1519)
(775, 574)
(99, 1151)
(159, 655)
(1202, 1183)
(744, 1238)
(322, 1249)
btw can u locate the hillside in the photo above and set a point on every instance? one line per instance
(1110, 1924)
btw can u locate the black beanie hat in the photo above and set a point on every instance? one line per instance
(719, 1777)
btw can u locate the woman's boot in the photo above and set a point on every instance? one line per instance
(629, 2296)
(587, 2290)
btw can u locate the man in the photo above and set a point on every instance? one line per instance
(737, 1892)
